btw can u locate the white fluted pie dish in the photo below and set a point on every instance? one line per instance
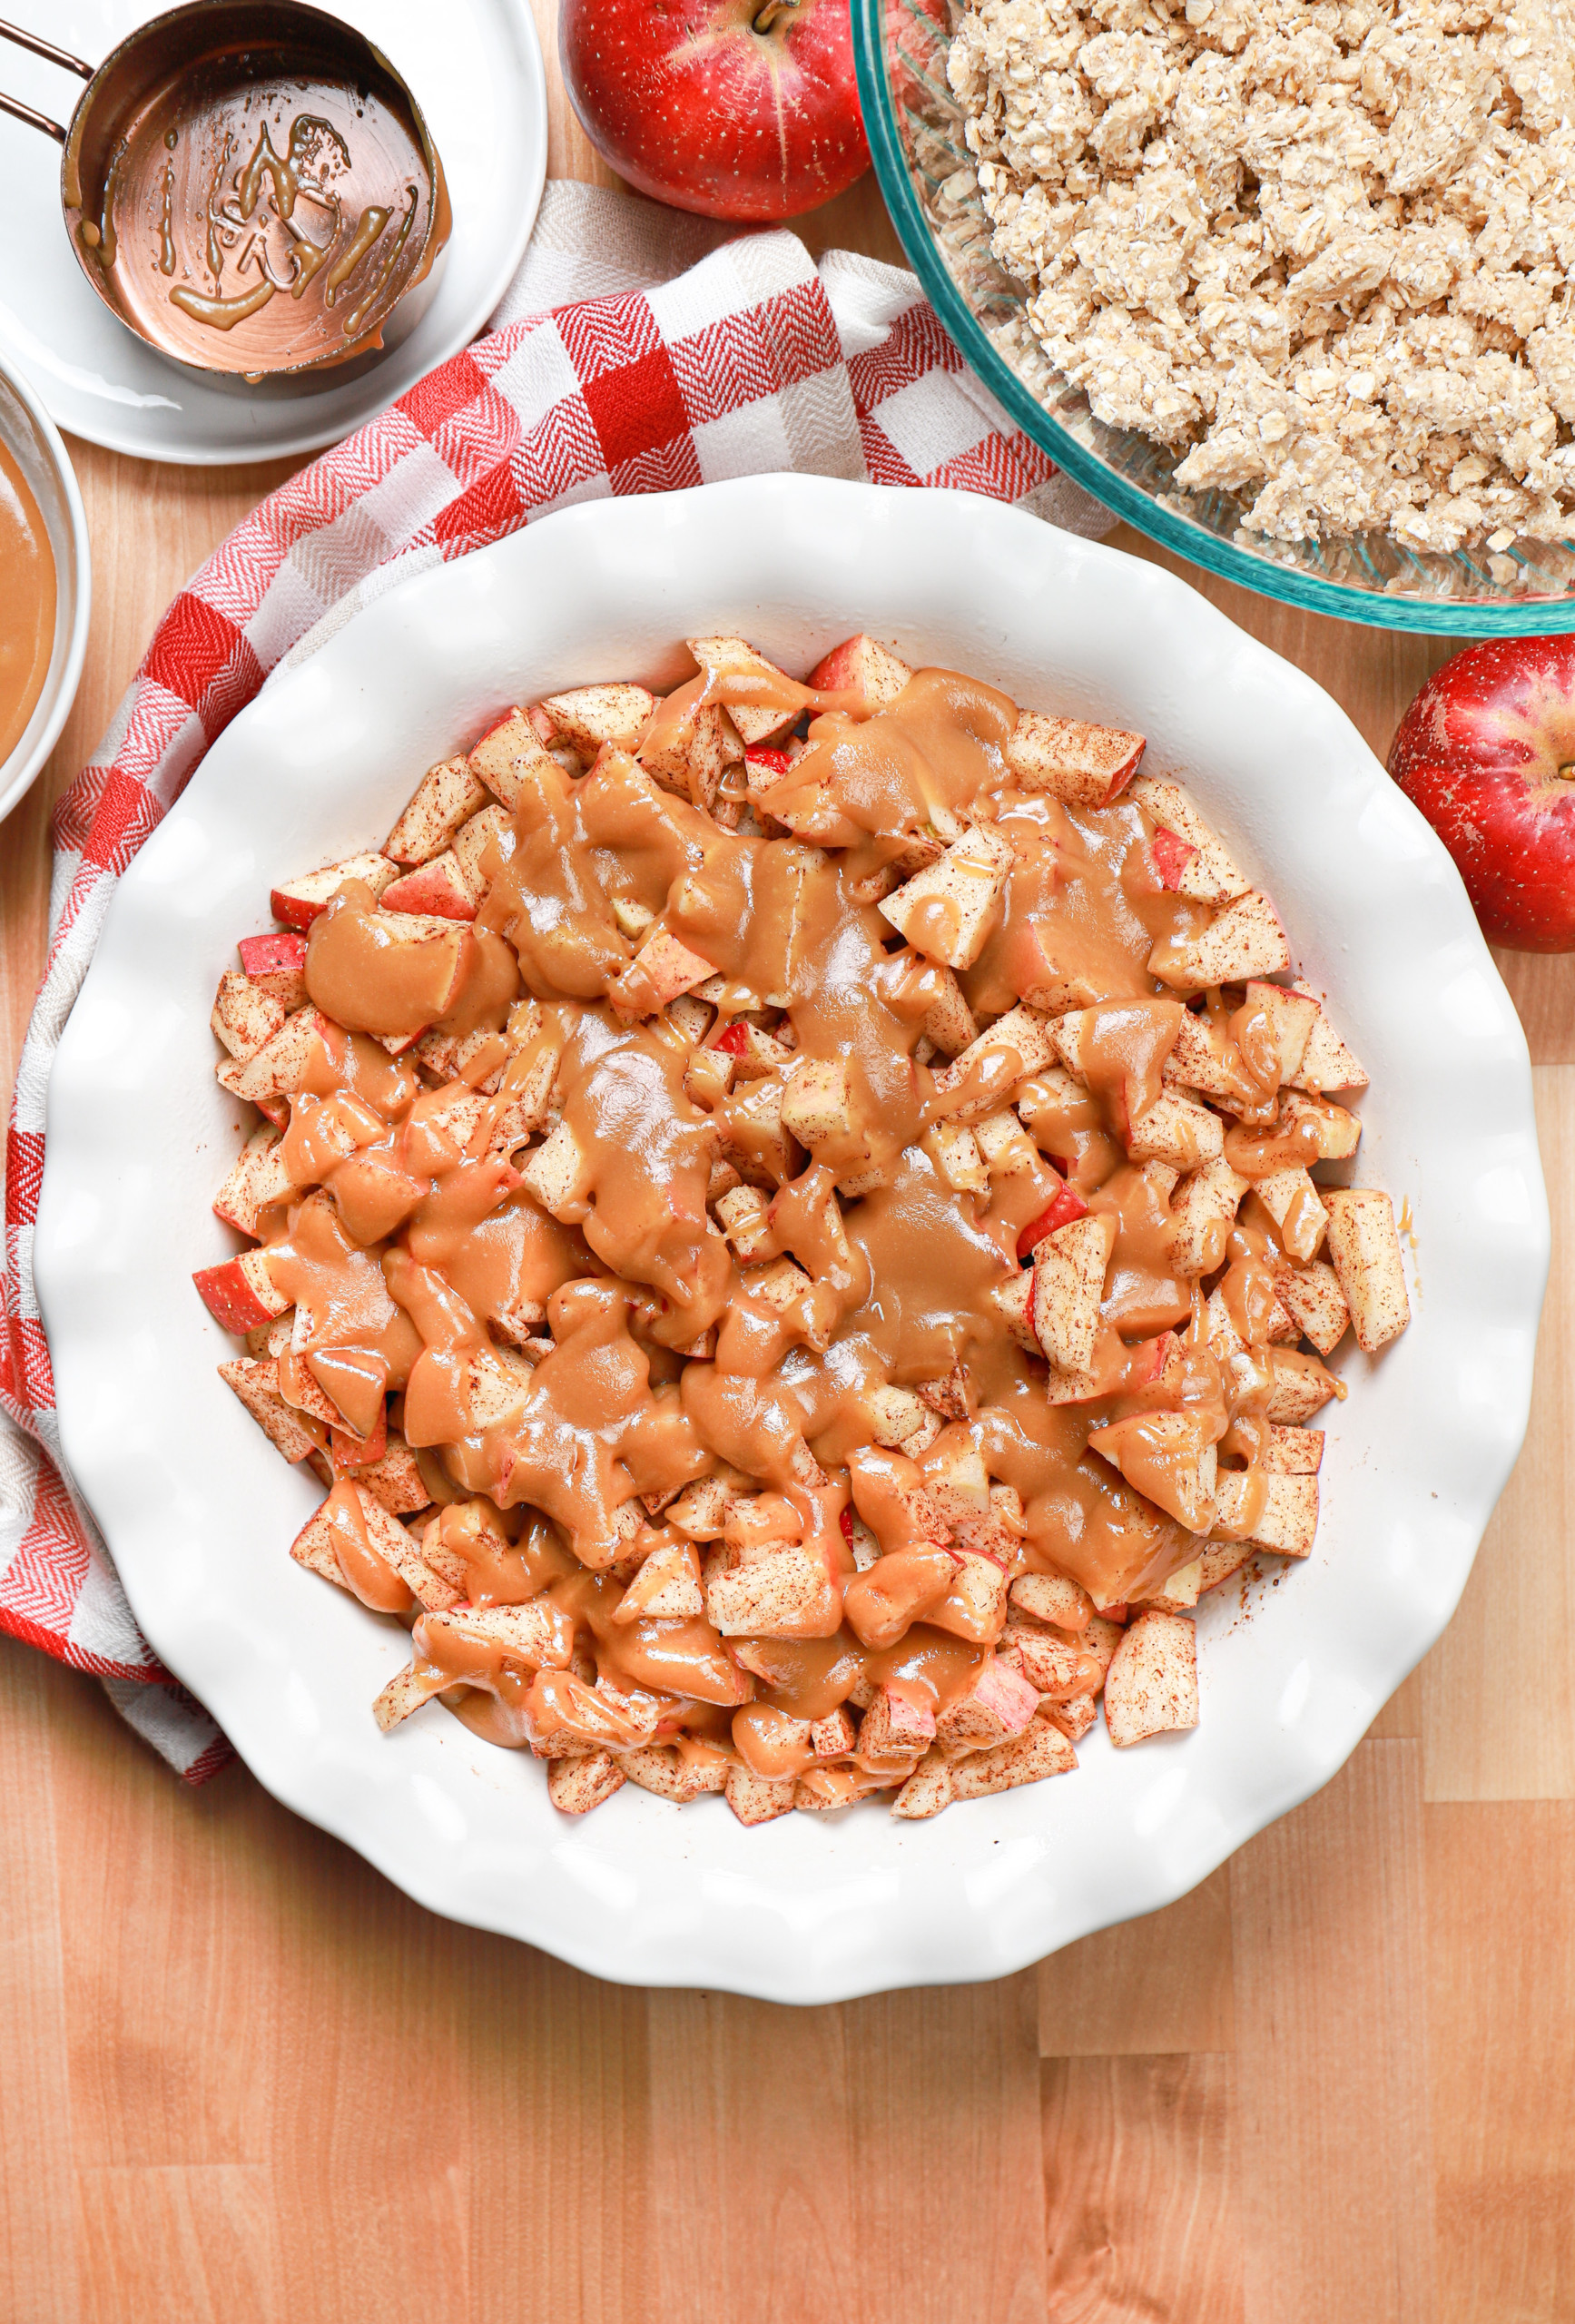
(198, 1510)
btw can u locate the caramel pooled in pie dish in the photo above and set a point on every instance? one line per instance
(784, 1220)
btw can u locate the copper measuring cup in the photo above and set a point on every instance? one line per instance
(250, 186)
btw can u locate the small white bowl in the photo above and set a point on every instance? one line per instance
(199, 1508)
(34, 442)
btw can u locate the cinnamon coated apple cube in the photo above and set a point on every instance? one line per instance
(974, 1608)
(787, 1594)
(835, 1736)
(278, 1067)
(1364, 1246)
(255, 1381)
(1198, 1064)
(240, 1293)
(1165, 1457)
(733, 658)
(503, 755)
(1042, 1750)
(298, 901)
(949, 1021)
(244, 1017)
(1293, 1452)
(662, 969)
(955, 1152)
(666, 1587)
(1292, 1017)
(576, 1785)
(1202, 1209)
(744, 1215)
(691, 756)
(446, 796)
(276, 965)
(1338, 1132)
(897, 1415)
(1289, 1521)
(588, 717)
(1219, 1560)
(1073, 1717)
(395, 1478)
(1326, 1062)
(951, 1396)
(1210, 874)
(753, 1799)
(1000, 1703)
(928, 1789)
(1301, 1386)
(259, 1180)
(817, 1102)
(700, 1510)
(1052, 1666)
(1176, 1130)
(899, 1723)
(1053, 1598)
(405, 1692)
(870, 673)
(946, 911)
(1151, 1686)
(1311, 1295)
(1013, 1302)
(1177, 1594)
(1244, 939)
(1069, 1283)
(554, 1174)
(1082, 765)
(1292, 1201)
(437, 889)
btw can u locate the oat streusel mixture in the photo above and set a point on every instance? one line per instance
(1329, 246)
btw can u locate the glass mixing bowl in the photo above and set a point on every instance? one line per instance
(915, 128)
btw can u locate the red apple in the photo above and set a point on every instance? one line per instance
(736, 108)
(1487, 751)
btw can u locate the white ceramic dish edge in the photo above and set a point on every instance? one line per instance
(198, 1508)
(50, 474)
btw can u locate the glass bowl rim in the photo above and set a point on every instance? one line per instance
(1441, 616)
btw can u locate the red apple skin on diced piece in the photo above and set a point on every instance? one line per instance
(298, 902)
(861, 668)
(1068, 1205)
(1172, 856)
(438, 887)
(276, 964)
(240, 1292)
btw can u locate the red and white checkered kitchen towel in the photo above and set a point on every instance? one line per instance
(637, 350)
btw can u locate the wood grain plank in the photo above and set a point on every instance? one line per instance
(1140, 2191)
(38, 2240)
(1401, 1717)
(197, 2244)
(1328, 1918)
(1154, 1985)
(561, 2211)
(945, 2127)
(1542, 987)
(1498, 1692)
(1501, 1959)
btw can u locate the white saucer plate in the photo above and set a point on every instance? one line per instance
(198, 1510)
(475, 69)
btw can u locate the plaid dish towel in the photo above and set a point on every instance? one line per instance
(637, 349)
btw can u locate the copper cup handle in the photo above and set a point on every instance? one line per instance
(51, 55)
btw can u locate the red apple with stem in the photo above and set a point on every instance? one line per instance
(740, 109)
(1487, 751)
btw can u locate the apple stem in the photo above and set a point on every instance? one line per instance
(766, 20)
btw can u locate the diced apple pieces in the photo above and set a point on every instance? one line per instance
(949, 1021)
(576, 1785)
(240, 1293)
(276, 965)
(1151, 1686)
(928, 1789)
(406, 1691)
(743, 1213)
(753, 1799)
(957, 1156)
(280, 1066)
(1326, 1062)
(1289, 1521)
(667, 1587)
(1311, 1295)
(1293, 1452)
(1338, 1133)
(859, 666)
(1291, 1199)
(1364, 1246)
(1039, 1751)
(437, 888)
(817, 1102)
(502, 756)
(1053, 1598)
(786, 1593)
(1176, 1130)
(554, 1174)
(244, 1017)
(492, 828)
(258, 1180)
(691, 756)
(1208, 875)
(1069, 1283)
(1021, 1033)
(1301, 1386)
(1013, 1302)
(999, 1704)
(899, 1723)
(1164, 1456)
(1082, 765)
(1292, 1017)
(946, 911)
(1202, 1209)
(256, 1382)
(1245, 939)
(395, 1478)
(734, 657)
(298, 902)
(660, 970)
(447, 796)
(588, 717)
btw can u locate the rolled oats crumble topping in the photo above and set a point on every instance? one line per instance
(1328, 244)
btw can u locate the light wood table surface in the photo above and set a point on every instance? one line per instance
(243, 2081)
